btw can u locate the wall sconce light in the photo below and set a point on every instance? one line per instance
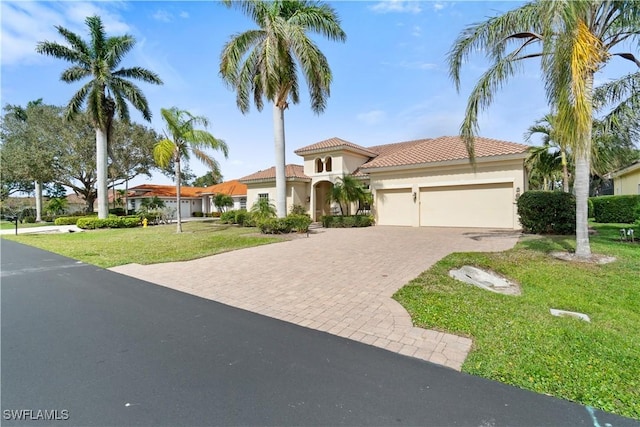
(517, 193)
(415, 196)
(308, 199)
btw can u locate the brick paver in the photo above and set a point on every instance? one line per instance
(337, 280)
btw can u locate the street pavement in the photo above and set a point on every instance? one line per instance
(99, 348)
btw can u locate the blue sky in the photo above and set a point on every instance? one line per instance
(390, 84)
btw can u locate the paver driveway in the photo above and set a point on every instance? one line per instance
(336, 280)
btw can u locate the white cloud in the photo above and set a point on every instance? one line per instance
(162, 15)
(184, 14)
(417, 31)
(372, 117)
(396, 6)
(437, 6)
(24, 24)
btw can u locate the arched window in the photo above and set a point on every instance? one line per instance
(319, 165)
(327, 164)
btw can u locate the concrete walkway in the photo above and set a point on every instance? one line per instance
(43, 229)
(337, 280)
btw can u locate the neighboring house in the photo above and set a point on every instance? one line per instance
(234, 188)
(190, 199)
(426, 182)
(627, 179)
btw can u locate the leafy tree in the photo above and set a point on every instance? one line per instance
(222, 202)
(347, 190)
(108, 89)
(263, 209)
(264, 63)
(56, 205)
(153, 203)
(183, 139)
(577, 39)
(208, 179)
(55, 190)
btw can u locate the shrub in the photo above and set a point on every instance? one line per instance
(152, 216)
(240, 216)
(619, 209)
(197, 214)
(344, 221)
(228, 217)
(547, 212)
(298, 210)
(274, 226)
(298, 222)
(117, 211)
(29, 219)
(590, 208)
(67, 220)
(91, 223)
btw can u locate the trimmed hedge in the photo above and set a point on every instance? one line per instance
(274, 226)
(344, 221)
(620, 209)
(547, 212)
(112, 222)
(67, 220)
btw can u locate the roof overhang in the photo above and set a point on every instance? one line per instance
(309, 153)
(263, 180)
(457, 162)
(628, 169)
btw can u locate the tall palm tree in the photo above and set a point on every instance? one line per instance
(182, 139)
(107, 91)
(347, 190)
(576, 39)
(543, 167)
(546, 127)
(264, 63)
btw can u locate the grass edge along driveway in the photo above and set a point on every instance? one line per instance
(111, 247)
(517, 341)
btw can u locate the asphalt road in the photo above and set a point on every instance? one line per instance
(93, 347)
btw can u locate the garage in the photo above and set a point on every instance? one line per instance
(474, 205)
(394, 207)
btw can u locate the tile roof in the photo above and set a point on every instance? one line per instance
(231, 188)
(151, 190)
(333, 143)
(291, 172)
(442, 149)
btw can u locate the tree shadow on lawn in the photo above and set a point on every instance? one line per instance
(548, 243)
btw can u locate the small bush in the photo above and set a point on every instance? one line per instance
(29, 219)
(111, 222)
(620, 209)
(343, 221)
(67, 220)
(197, 214)
(547, 212)
(298, 210)
(152, 216)
(274, 226)
(117, 211)
(240, 216)
(228, 217)
(298, 222)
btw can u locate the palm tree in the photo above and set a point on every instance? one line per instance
(543, 167)
(107, 90)
(264, 62)
(347, 190)
(546, 127)
(263, 209)
(576, 40)
(182, 139)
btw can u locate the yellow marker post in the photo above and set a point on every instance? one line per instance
(144, 223)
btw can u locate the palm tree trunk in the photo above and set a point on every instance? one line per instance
(565, 171)
(38, 186)
(101, 172)
(281, 183)
(178, 202)
(581, 184)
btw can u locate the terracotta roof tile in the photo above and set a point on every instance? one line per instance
(291, 172)
(442, 149)
(151, 190)
(333, 143)
(231, 188)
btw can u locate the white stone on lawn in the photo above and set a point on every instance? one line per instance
(561, 313)
(485, 280)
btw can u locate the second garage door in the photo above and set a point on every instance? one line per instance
(394, 207)
(484, 205)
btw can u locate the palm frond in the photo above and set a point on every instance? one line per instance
(98, 35)
(139, 73)
(75, 104)
(163, 152)
(116, 48)
(133, 94)
(60, 51)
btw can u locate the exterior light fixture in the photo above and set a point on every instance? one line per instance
(415, 196)
(517, 193)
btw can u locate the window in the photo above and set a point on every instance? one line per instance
(263, 196)
(243, 203)
(327, 164)
(319, 166)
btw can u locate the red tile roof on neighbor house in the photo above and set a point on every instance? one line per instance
(151, 190)
(334, 144)
(442, 149)
(231, 188)
(292, 172)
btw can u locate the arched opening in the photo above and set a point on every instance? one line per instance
(321, 199)
(319, 166)
(328, 164)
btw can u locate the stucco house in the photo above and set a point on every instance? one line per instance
(426, 182)
(627, 179)
(233, 188)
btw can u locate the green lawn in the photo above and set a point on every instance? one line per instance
(111, 247)
(518, 342)
(7, 225)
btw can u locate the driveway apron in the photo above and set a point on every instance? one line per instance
(337, 280)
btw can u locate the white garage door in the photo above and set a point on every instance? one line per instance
(394, 207)
(485, 205)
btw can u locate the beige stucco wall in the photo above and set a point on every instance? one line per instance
(341, 163)
(419, 181)
(627, 184)
(297, 193)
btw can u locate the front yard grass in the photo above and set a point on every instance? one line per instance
(517, 341)
(111, 247)
(8, 225)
